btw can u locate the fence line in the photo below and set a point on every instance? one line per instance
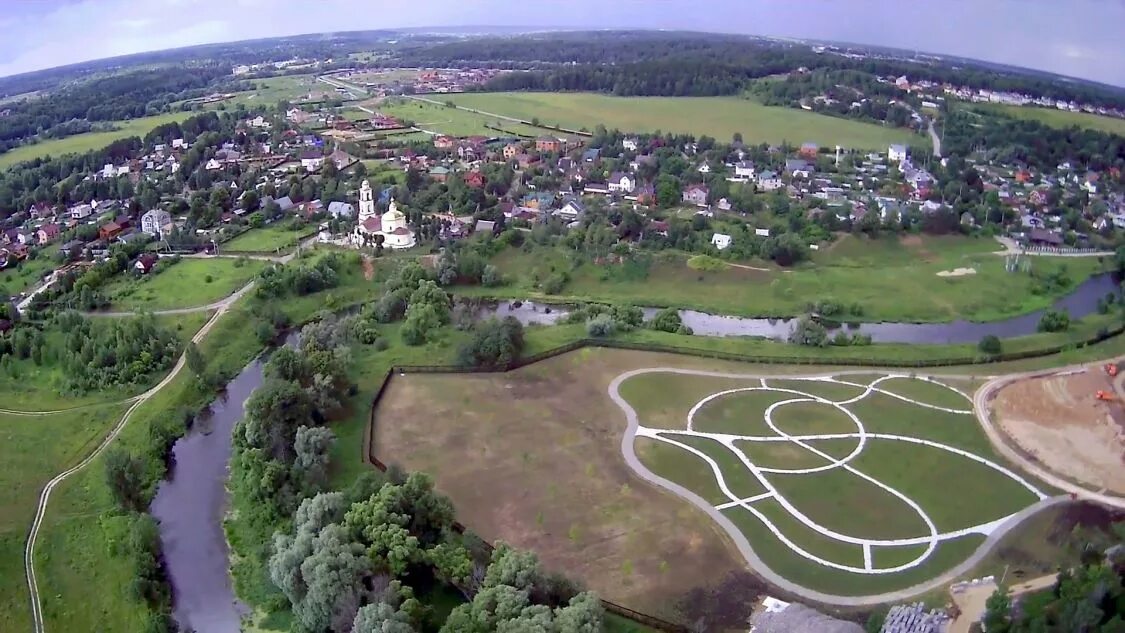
(368, 450)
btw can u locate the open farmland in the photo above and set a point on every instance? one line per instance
(80, 143)
(719, 117)
(440, 119)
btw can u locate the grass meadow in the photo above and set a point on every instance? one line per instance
(719, 117)
(189, 283)
(80, 143)
(1060, 118)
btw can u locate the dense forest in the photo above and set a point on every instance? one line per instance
(75, 108)
(609, 61)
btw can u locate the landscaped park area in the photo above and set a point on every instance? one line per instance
(839, 486)
(718, 117)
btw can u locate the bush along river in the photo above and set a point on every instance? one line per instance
(189, 507)
(1081, 302)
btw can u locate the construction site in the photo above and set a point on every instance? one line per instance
(1071, 422)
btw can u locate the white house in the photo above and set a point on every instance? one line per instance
(897, 152)
(109, 171)
(769, 181)
(720, 241)
(745, 169)
(312, 161)
(80, 211)
(259, 121)
(571, 211)
(621, 182)
(213, 165)
(705, 168)
(341, 210)
(178, 143)
(630, 144)
(154, 222)
(762, 232)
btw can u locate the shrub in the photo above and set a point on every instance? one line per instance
(208, 279)
(990, 345)
(809, 332)
(601, 326)
(554, 284)
(495, 344)
(491, 277)
(668, 320)
(706, 263)
(1054, 321)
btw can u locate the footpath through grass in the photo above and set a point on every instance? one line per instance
(719, 117)
(187, 284)
(80, 143)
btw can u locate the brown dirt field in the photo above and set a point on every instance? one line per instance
(1058, 420)
(532, 457)
(368, 268)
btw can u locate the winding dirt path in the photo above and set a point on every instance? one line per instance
(45, 495)
(740, 540)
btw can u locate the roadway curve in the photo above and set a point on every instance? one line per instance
(629, 453)
(45, 495)
(936, 139)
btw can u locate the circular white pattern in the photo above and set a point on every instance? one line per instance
(931, 538)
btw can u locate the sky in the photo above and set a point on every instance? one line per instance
(1080, 38)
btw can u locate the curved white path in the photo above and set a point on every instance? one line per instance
(45, 495)
(994, 530)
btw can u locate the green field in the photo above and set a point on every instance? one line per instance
(1060, 118)
(284, 88)
(25, 275)
(891, 280)
(268, 239)
(719, 117)
(32, 450)
(187, 284)
(452, 121)
(887, 477)
(80, 143)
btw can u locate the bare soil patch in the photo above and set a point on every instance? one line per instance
(957, 272)
(1059, 421)
(532, 457)
(368, 268)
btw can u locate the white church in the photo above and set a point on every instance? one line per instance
(391, 225)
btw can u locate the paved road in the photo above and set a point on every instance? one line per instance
(936, 139)
(45, 495)
(743, 545)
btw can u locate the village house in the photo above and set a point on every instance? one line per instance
(745, 170)
(156, 222)
(721, 241)
(444, 142)
(896, 153)
(549, 144)
(511, 150)
(808, 150)
(439, 173)
(591, 155)
(798, 168)
(572, 211)
(630, 144)
(340, 210)
(80, 211)
(769, 181)
(475, 179)
(213, 165)
(312, 160)
(48, 233)
(620, 182)
(596, 188)
(109, 231)
(145, 263)
(696, 194)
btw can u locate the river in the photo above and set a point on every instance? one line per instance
(189, 506)
(1079, 303)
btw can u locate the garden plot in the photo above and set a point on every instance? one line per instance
(880, 482)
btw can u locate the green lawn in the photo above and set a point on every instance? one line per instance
(1060, 118)
(80, 143)
(899, 287)
(285, 88)
(830, 498)
(270, 239)
(719, 117)
(187, 284)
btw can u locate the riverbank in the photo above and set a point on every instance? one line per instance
(869, 280)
